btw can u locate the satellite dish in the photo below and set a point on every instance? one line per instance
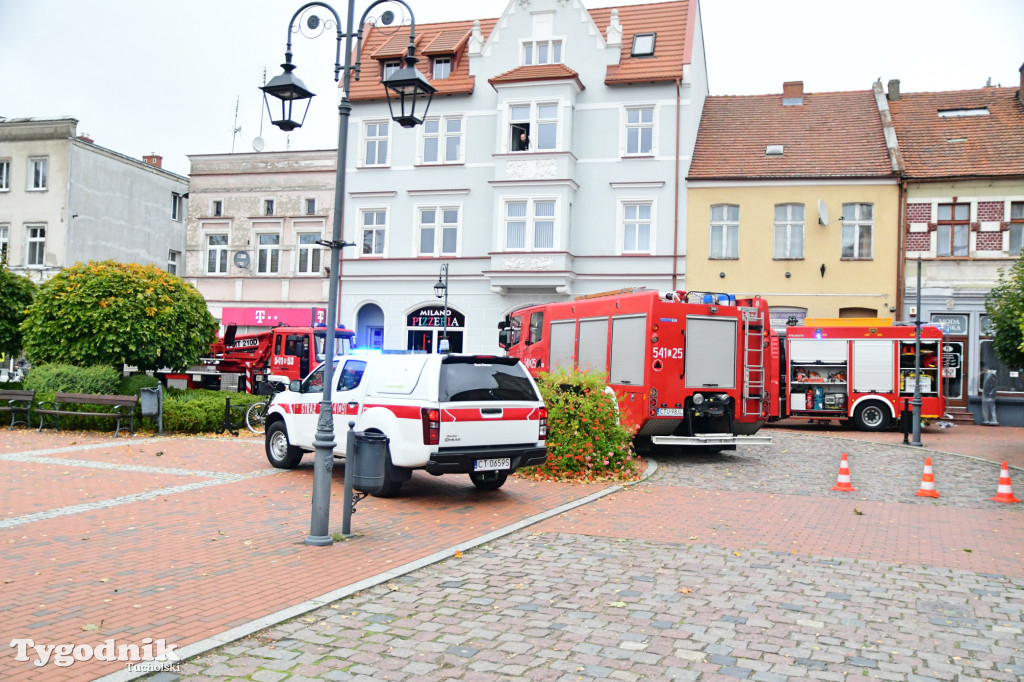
(257, 143)
(822, 212)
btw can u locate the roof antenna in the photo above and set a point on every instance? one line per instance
(257, 142)
(235, 128)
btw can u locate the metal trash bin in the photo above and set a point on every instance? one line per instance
(367, 462)
(151, 404)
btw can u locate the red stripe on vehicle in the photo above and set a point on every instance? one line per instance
(475, 415)
(400, 411)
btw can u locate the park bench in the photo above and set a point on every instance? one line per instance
(17, 403)
(123, 407)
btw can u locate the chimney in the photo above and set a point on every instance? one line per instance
(792, 93)
(1020, 92)
(85, 138)
(894, 90)
(154, 160)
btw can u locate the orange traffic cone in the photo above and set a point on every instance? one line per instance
(843, 482)
(1005, 492)
(927, 481)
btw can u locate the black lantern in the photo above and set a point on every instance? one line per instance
(440, 288)
(289, 89)
(408, 90)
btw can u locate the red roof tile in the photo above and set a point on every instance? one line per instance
(960, 146)
(670, 21)
(380, 45)
(544, 72)
(673, 22)
(832, 134)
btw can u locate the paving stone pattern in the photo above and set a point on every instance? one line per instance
(547, 604)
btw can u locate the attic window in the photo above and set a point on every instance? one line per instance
(961, 113)
(389, 67)
(442, 67)
(643, 45)
(773, 150)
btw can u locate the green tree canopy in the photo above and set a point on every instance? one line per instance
(16, 293)
(108, 313)
(1005, 307)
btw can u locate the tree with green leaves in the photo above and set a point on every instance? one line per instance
(109, 313)
(1005, 307)
(16, 294)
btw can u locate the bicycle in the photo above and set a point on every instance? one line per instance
(256, 415)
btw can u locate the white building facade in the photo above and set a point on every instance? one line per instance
(64, 200)
(609, 100)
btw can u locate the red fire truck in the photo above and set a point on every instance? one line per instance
(860, 374)
(247, 362)
(687, 367)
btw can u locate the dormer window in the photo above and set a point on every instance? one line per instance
(542, 52)
(389, 67)
(643, 45)
(442, 67)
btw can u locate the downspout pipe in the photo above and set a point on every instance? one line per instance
(675, 227)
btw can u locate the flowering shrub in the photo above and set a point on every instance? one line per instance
(585, 442)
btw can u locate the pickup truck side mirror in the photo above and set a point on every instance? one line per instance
(295, 386)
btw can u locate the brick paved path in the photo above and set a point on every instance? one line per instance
(184, 539)
(743, 565)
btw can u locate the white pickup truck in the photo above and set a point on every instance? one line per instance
(480, 415)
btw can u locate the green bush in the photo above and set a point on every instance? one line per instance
(201, 411)
(57, 377)
(130, 385)
(585, 439)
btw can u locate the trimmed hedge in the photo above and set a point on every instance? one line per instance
(56, 377)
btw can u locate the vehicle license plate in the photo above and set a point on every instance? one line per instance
(671, 412)
(498, 464)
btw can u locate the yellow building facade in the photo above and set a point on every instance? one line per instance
(784, 254)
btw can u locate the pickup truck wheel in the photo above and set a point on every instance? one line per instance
(280, 453)
(488, 480)
(392, 482)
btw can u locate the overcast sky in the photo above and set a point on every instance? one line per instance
(143, 76)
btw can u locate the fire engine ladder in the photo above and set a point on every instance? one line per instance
(753, 362)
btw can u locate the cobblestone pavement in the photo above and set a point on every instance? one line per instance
(743, 565)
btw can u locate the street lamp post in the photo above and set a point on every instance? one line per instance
(406, 91)
(441, 289)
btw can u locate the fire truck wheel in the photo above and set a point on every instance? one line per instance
(392, 481)
(871, 416)
(488, 480)
(280, 453)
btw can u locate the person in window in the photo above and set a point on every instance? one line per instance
(524, 142)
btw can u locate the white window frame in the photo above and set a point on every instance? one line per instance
(730, 233)
(439, 227)
(443, 135)
(625, 221)
(533, 124)
(270, 268)
(35, 245)
(5, 241)
(388, 67)
(35, 162)
(530, 222)
(529, 51)
(311, 252)
(376, 140)
(444, 73)
(177, 203)
(173, 258)
(379, 246)
(639, 125)
(789, 225)
(216, 248)
(217, 208)
(857, 224)
(5, 175)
